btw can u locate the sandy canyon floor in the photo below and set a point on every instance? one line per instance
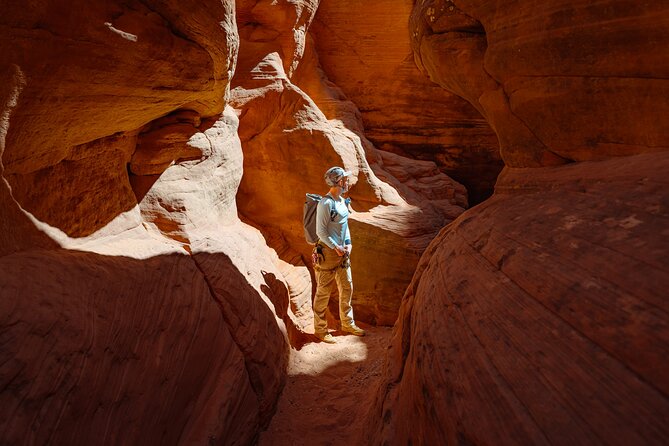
(329, 391)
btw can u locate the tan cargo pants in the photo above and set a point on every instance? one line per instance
(327, 271)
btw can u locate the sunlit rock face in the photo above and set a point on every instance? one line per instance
(91, 80)
(540, 316)
(135, 306)
(364, 48)
(294, 125)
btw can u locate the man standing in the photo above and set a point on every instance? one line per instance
(334, 245)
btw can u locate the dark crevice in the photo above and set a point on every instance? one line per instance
(459, 32)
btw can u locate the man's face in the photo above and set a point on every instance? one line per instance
(344, 184)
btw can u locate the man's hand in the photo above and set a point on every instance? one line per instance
(348, 249)
(340, 250)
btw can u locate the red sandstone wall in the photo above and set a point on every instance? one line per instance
(559, 81)
(540, 316)
(132, 310)
(132, 294)
(365, 49)
(126, 273)
(295, 124)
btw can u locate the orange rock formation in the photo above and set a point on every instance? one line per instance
(294, 124)
(135, 307)
(558, 81)
(121, 248)
(154, 156)
(540, 316)
(365, 49)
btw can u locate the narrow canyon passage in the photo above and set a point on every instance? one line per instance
(509, 218)
(329, 391)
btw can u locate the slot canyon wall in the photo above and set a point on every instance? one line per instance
(365, 50)
(541, 315)
(294, 124)
(154, 160)
(136, 308)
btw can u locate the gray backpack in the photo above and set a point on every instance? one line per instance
(309, 217)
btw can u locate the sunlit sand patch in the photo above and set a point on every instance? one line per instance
(317, 357)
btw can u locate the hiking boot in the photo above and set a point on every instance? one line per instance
(327, 338)
(354, 330)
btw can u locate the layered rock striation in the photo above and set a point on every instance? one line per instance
(154, 159)
(549, 328)
(540, 316)
(135, 305)
(568, 81)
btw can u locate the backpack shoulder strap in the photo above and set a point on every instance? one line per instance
(333, 206)
(329, 197)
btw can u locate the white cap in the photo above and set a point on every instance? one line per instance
(334, 174)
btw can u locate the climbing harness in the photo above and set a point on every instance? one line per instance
(317, 257)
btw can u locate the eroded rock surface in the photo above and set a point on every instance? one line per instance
(136, 307)
(121, 163)
(550, 327)
(83, 354)
(294, 125)
(569, 81)
(364, 48)
(87, 90)
(539, 317)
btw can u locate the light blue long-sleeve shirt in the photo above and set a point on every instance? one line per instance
(332, 231)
